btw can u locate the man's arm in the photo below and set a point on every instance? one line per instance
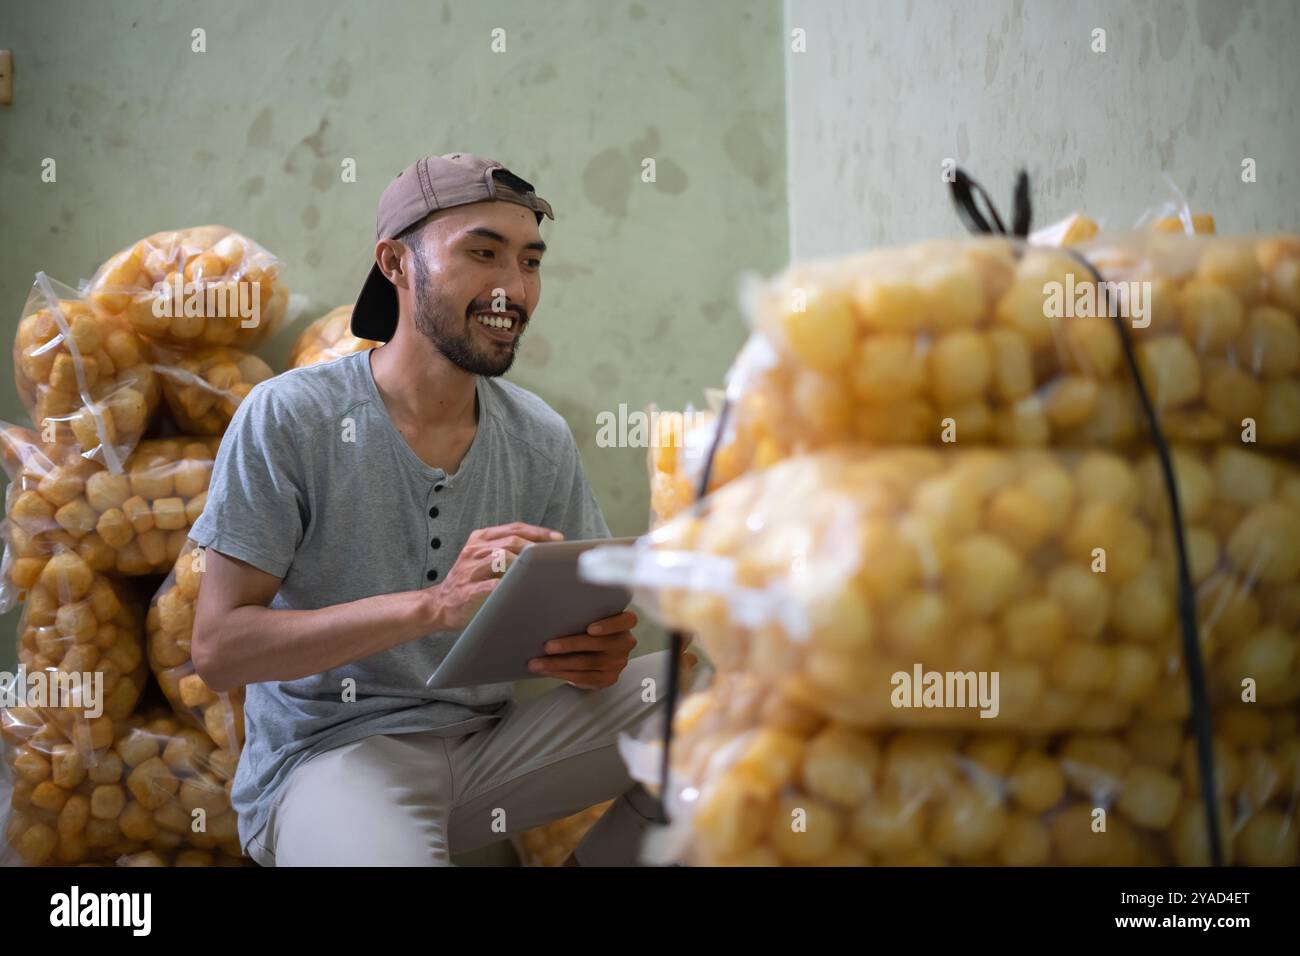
(238, 640)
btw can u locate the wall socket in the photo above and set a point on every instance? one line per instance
(6, 77)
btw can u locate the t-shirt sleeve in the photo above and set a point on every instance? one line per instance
(572, 509)
(257, 500)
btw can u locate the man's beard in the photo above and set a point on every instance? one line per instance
(437, 320)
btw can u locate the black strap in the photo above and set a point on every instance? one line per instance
(964, 190)
(678, 638)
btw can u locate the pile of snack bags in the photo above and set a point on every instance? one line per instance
(936, 571)
(130, 382)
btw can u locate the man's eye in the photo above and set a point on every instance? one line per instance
(484, 252)
(534, 263)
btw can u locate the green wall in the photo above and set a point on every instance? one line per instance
(639, 284)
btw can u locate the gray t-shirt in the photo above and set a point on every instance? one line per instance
(314, 483)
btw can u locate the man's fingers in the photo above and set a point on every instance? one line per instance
(611, 643)
(483, 589)
(482, 569)
(520, 530)
(624, 621)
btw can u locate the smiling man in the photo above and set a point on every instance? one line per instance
(352, 520)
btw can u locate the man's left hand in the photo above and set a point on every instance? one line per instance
(591, 660)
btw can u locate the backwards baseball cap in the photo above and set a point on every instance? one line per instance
(429, 184)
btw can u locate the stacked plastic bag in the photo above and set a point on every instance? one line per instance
(937, 570)
(169, 627)
(762, 779)
(958, 343)
(328, 338)
(159, 343)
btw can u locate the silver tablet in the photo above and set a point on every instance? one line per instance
(540, 597)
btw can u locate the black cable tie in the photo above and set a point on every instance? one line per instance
(678, 637)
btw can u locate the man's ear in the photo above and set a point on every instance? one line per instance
(391, 254)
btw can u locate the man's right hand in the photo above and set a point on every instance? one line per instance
(478, 569)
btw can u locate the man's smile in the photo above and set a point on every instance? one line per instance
(499, 326)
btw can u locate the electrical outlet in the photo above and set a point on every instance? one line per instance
(6, 77)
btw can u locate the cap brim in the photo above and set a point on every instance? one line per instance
(375, 314)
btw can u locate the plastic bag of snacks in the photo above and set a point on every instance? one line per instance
(203, 387)
(134, 523)
(84, 378)
(1051, 572)
(156, 786)
(169, 626)
(760, 779)
(81, 652)
(328, 338)
(552, 843)
(207, 285)
(989, 341)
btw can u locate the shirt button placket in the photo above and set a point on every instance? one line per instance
(435, 542)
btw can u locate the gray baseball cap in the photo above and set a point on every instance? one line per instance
(429, 184)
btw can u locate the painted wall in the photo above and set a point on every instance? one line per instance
(639, 283)
(887, 90)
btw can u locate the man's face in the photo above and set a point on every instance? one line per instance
(476, 279)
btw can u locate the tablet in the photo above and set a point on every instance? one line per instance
(540, 597)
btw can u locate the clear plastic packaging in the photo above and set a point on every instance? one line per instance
(203, 387)
(169, 626)
(156, 786)
(760, 779)
(207, 285)
(84, 378)
(989, 341)
(677, 455)
(328, 338)
(81, 651)
(132, 523)
(1046, 576)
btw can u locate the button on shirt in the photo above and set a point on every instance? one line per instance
(313, 483)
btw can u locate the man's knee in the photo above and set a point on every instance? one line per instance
(376, 831)
(353, 808)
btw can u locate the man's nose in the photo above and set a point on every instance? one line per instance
(511, 283)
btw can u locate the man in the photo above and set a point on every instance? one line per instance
(356, 512)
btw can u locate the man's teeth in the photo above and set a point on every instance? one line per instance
(496, 321)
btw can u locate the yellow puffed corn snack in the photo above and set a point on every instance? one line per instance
(132, 523)
(760, 779)
(169, 626)
(1052, 572)
(1070, 231)
(203, 387)
(328, 338)
(552, 843)
(207, 285)
(1202, 224)
(85, 379)
(154, 786)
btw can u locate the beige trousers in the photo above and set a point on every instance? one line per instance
(415, 799)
